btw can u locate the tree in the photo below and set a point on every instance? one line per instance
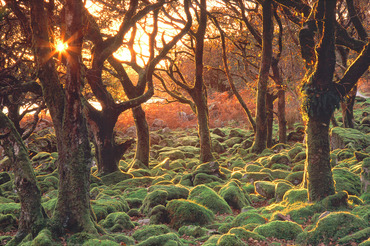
(102, 122)
(196, 90)
(73, 210)
(322, 95)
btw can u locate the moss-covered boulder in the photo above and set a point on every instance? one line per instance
(341, 138)
(207, 197)
(280, 189)
(212, 240)
(295, 195)
(365, 176)
(332, 227)
(247, 218)
(8, 222)
(134, 183)
(148, 231)
(185, 212)
(234, 195)
(169, 239)
(281, 158)
(251, 177)
(252, 167)
(98, 242)
(43, 238)
(159, 215)
(4, 177)
(346, 181)
(173, 191)
(172, 155)
(210, 168)
(265, 188)
(115, 177)
(279, 229)
(80, 238)
(230, 239)
(193, 231)
(105, 204)
(357, 237)
(118, 221)
(295, 177)
(154, 198)
(246, 235)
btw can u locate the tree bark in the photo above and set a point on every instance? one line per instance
(269, 118)
(143, 138)
(72, 211)
(33, 217)
(260, 140)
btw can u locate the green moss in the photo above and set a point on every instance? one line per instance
(139, 193)
(169, 239)
(211, 168)
(279, 229)
(295, 178)
(294, 151)
(10, 208)
(280, 189)
(212, 241)
(245, 235)
(150, 230)
(49, 206)
(334, 202)
(173, 191)
(80, 238)
(332, 227)
(193, 231)
(234, 195)
(8, 222)
(299, 157)
(108, 204)
(249, 217)
(203, 178)
(98, 242)
(281, 158)
(44, 238)
(251, 177)
(295, 195)
(363, 212)
(352, 138)
(117, 221)
(157, 197)
(119, 238)
(159, 215)
(134, 183)
(356, 237)
(207, 197)
(347, 181)
(230, 240)
(253, 168)
(172, 154)
(115, 177)
(265, 188)
(186, 212)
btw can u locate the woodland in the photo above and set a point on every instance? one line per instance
(191, 122)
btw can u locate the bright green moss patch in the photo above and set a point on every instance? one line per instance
(150, 230)
(157, 197)
(207, 197)
(134, 183)
(346, 181)
(249, 217)
(280, 189)
(279, 229)
(265, 189)
(80, 238)
(332, 227)
(203, 178)
(44, 238)
(173, 191)
(169, 239)
(356, 237)
(10, 208)
(117, 221)
(245, 235)
(107, 204)
(230, 239)
(295, 177)
(98, 242)
(212, 241)
(295, 195)
(186, 212)
(158, 215)
(234, 195)
(193, 231)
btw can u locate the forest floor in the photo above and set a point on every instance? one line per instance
(239, 199)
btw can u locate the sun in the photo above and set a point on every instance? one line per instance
(61, 47)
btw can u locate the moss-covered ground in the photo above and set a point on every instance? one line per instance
(239, 199)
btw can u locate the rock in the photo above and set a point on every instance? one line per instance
(234, 195)
(185, 212)
(248, 218)
(280, 189)
(232, 141)
(251, 177)
(211, 168)
(236, 133)
(365, 176)
(106, 204)
(203, 178)
(295, 195)
(152, 199)
(218, 132)
(279, 158)
(279, 229)
(173, 191)
(117, 221)
(230, 239)
(159, 215)
(265, 188)
(98, 242)
(148, 231)
(217, 147)
(245, 235)
(294, 151)
(115, 177)
(253, 167)
(346, 181)
(131, 132)
(356, 237)
(168, 239)
(295, 177)
(192, 231)
(331, 228)
(43, 238)
(158, 124)
(173, 155)
(207, 197)
(342, 137)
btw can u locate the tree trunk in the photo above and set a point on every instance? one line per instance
(32, 218)
(143, 138)
(203, 129)
(270, 118)
(347, 108)
(260, 140)
(319, 174)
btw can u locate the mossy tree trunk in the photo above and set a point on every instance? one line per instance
(269, 118)
(72, 211)
(143, 138)
(33, 217)
(260, 140)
